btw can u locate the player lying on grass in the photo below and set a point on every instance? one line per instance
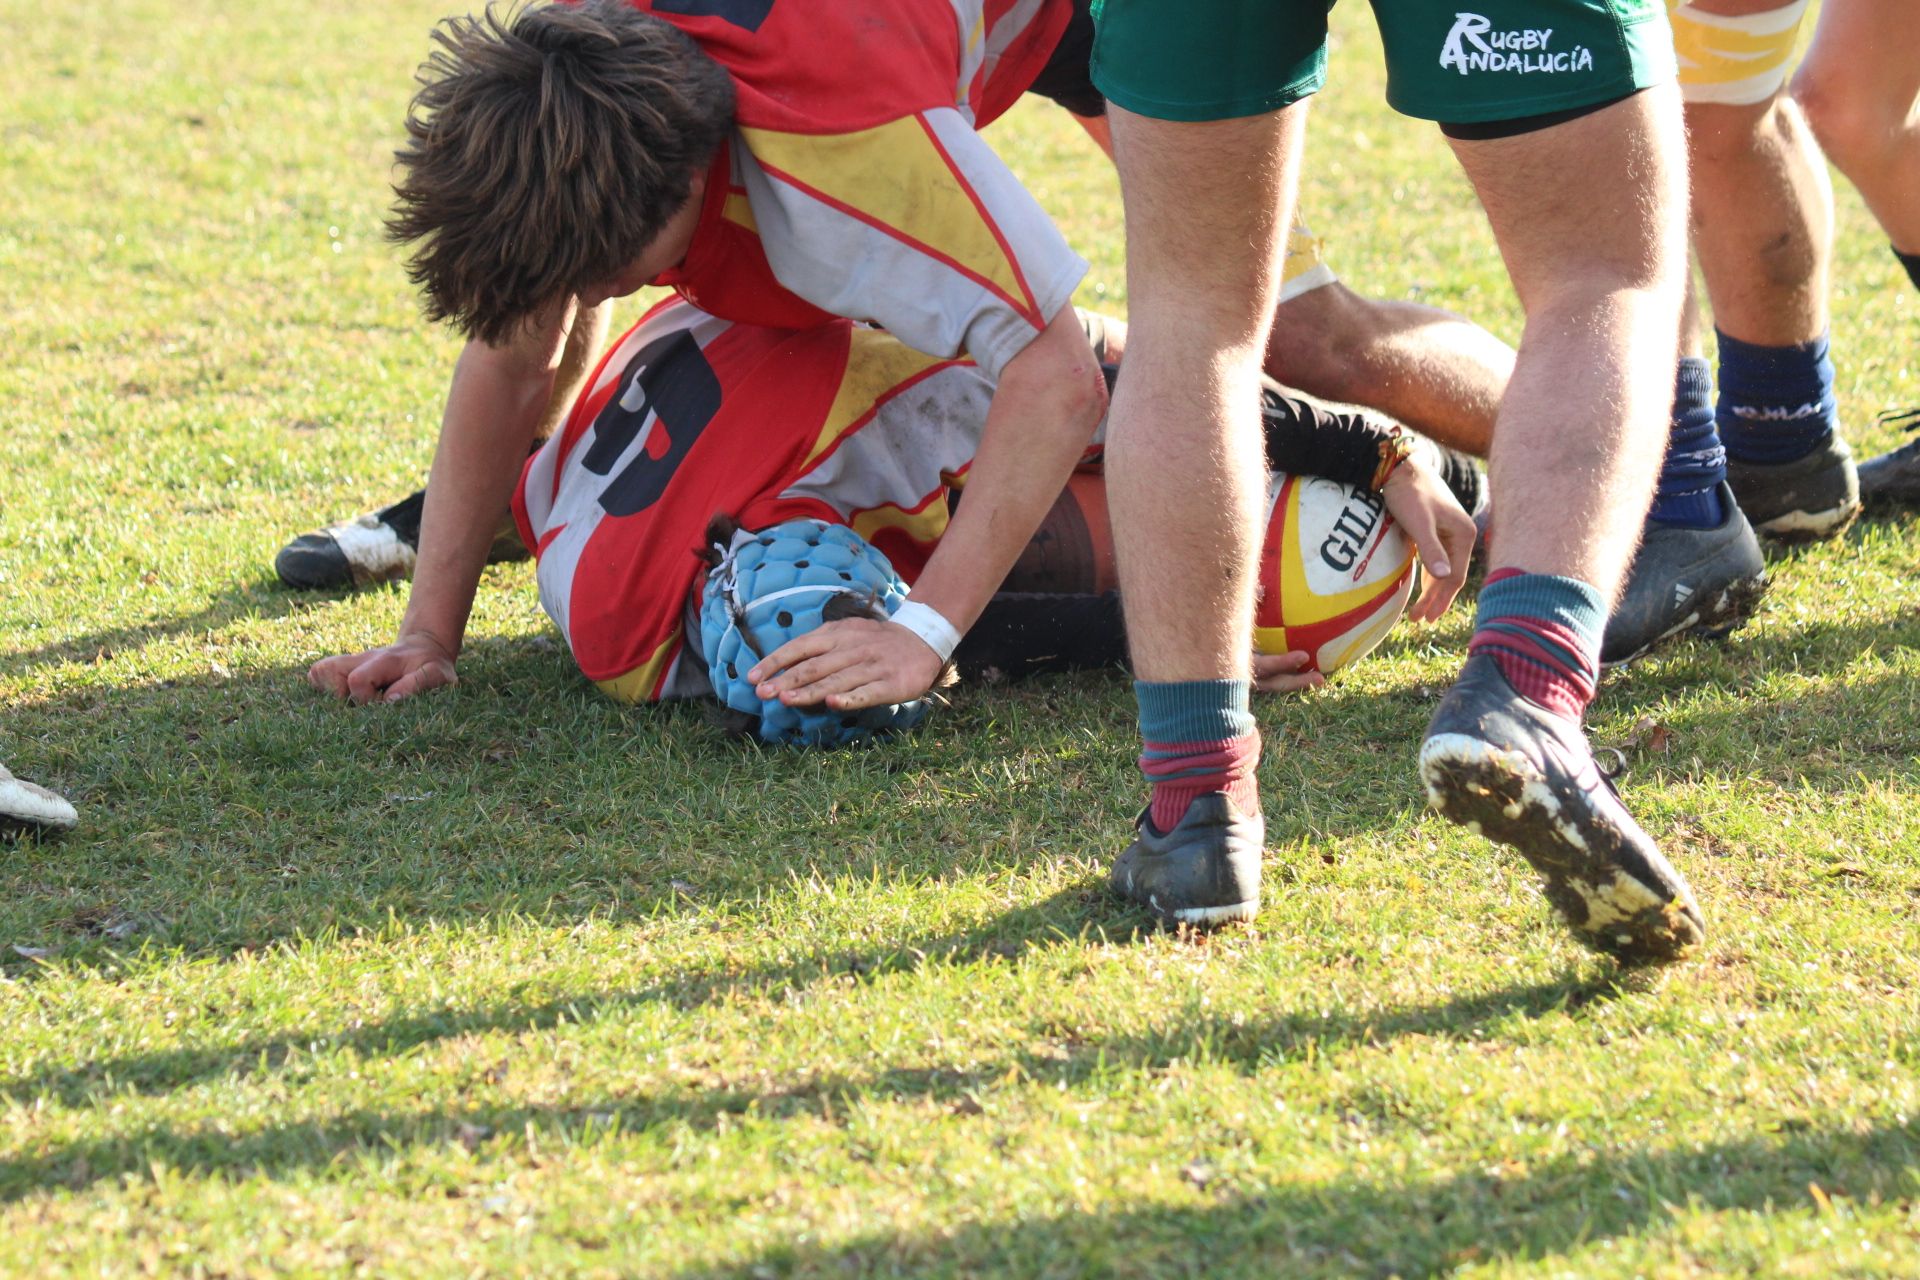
(30, 809)
(689, 416)
(1434, 371)
(812, 118)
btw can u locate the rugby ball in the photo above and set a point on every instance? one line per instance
(1335, 572)
(1071, 553)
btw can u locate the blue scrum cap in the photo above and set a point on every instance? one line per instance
(783, 582)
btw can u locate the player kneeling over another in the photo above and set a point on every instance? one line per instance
(832, 455)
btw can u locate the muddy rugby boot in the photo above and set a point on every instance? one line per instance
(1205, 872)
(1507, 769)
(378, 547)
(1706, 581)
(1806, 500)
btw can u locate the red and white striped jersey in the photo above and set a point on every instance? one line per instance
(690, 416)
(855, 184)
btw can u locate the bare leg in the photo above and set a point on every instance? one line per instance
(1438, 373)
(1693, 326)
(1762, 212)
(1597, 253)
(1860, 88)
(1184, 469)
(1590, 216)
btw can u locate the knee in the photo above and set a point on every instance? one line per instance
(1584, 288)
(1719, 133)
(1851, 125)
(1320, 342)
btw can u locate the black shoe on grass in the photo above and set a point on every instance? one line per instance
(378, 547)
(1206, 871)
(1706, 581)
(1807, 500)
(1893, 478)
(1508, 769)
(30, 809)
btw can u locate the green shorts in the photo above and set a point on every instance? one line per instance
(1505, 60)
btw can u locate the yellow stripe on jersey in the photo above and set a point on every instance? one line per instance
(739, 210)
(923, 526)
(876, 363)
(638, 684)
(1734, 60)
(895, 176)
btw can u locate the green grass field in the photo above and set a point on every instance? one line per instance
(512, 980)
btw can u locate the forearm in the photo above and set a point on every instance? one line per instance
(1049, 400)
(494, 409)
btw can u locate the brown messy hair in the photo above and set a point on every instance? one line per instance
(546, 148)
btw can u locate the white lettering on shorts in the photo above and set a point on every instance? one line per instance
(1473, 45)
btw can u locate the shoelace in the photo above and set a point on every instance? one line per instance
(1893, 417)
(1615, 775)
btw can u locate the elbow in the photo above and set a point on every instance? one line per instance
(1059, 374)
(1088, 404)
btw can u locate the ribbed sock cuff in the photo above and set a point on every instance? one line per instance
(1187, 711)
(1544, 632)
(1180, 777)
(1566, 602)
(1198, 737)
(1776, 403)
(1688, 492)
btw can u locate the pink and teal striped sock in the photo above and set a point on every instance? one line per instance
(1198, 737)
(1544, 632)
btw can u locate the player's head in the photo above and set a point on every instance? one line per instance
(776, 585)
(547, 149)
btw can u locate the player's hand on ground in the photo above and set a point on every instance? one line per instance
(849, 664)
(1285, 672)
(412, 664)
(1442, 533)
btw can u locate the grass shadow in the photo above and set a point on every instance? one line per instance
(262, 597)
(1388, 1227)
(1249, 1046)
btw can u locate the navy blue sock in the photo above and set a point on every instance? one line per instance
(1776, 403)
(1689, 490)
(1911, 261)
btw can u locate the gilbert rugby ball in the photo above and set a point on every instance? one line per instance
(1335, 572)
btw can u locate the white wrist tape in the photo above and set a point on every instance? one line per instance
(925, 621)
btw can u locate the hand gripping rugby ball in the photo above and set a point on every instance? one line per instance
(783, 582)
(1335, 572)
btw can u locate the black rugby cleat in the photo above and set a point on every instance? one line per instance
(1893, 478)
(1807, 500)
(1510, 770)
(1706, 581)
(378, 547)
(1206, 871)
